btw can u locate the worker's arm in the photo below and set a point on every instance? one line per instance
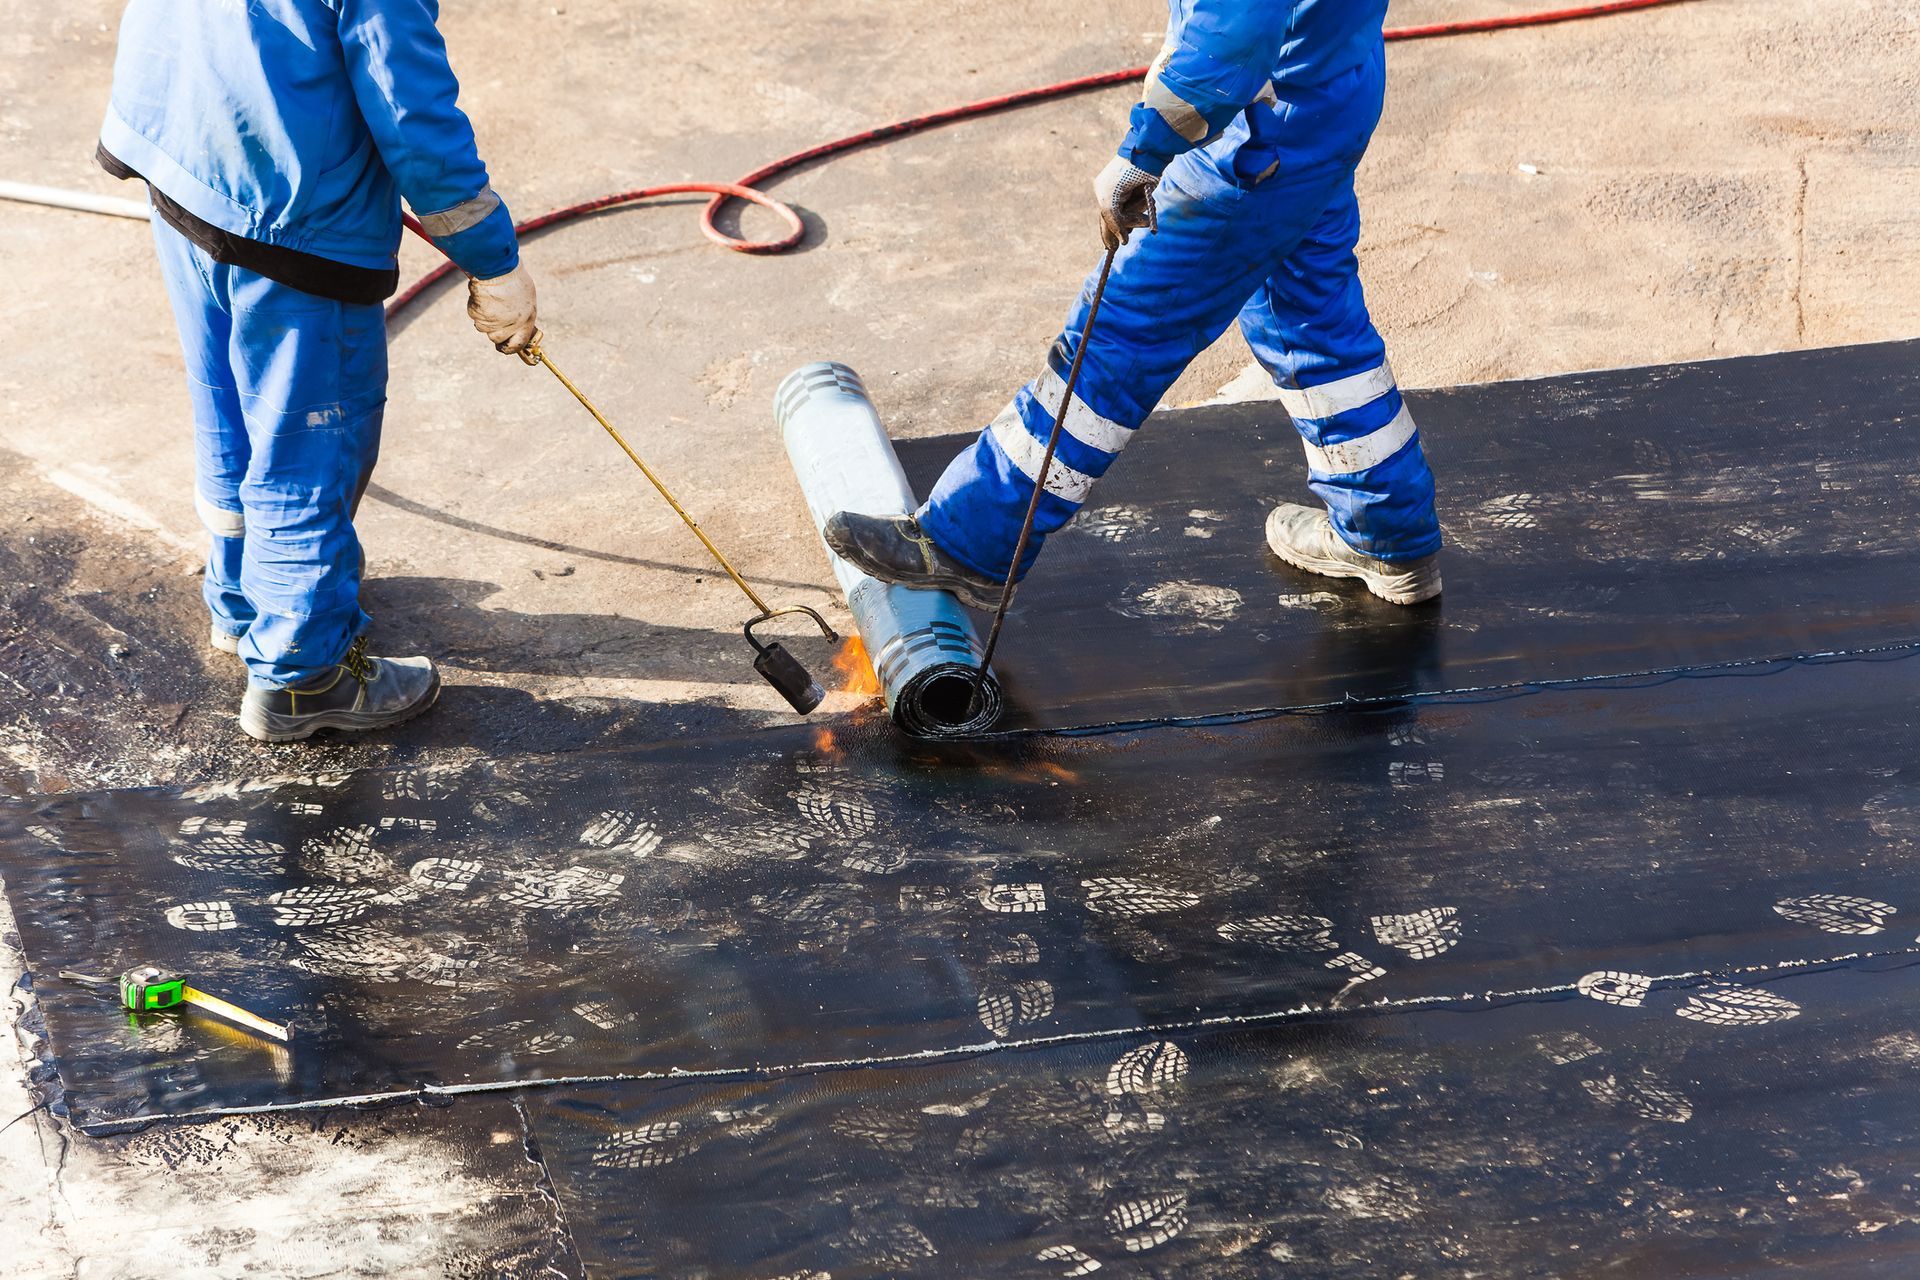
(408, 95)
(1219, 57)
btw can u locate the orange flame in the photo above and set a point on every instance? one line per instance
(856, 670)
(825, 743)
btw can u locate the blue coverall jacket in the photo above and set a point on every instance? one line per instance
(302, 123)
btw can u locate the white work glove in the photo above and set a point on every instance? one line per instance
(1124, 193)
(503, 310)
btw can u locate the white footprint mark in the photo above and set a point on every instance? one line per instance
(1002, 1008)
(601, 1014)
(1837, 913)
(1358, 967)
(1078, 1263)
(554, 890)
(839, 810)
(203, 917)
(1421, 934)
(1646, 1095)
(1384, 1199)
(449, 875)
(622, 831)
(1189, 606)
(647, 1147)
(318, 904)
(1611, 986)
(1731, 1006)
(1014, 899)
(1409, 773)
(1283, 933)
(1147, 1070)
(1149, 1222)
(1566, 1048)
(1021, 949)
(213, 827)
(1121, 896)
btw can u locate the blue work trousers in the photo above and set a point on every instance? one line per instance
(288, 393)
(1261, 224)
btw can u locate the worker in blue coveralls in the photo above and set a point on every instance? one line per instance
(277, 139)
(1239, 167)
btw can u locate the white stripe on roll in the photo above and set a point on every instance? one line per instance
(1370, 450)
(1331, 398)
(1083, 424)
(1063, 481)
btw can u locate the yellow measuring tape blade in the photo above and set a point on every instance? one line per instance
(235, 1014)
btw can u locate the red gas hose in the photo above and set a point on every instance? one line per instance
(745, 188)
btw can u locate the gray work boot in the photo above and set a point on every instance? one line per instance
(223, 642)
(361, 693)
(893, 549)
(1304, 537)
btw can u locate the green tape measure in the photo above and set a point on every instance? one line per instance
(148, 988)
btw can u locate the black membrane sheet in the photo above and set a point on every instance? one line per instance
(780, 898)
(1604, 978)
(1597, 523)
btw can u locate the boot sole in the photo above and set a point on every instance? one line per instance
(1377, 583)
(269, 726)
(969, 593)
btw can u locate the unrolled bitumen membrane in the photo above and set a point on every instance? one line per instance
(1570, 971)
(1596, 523)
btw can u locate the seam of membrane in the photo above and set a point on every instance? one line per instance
(1465, 695)
(445, 1095)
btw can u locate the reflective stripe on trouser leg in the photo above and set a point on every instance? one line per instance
(1308, 325)
(1170, 295)
(220, 439)
(311, 375)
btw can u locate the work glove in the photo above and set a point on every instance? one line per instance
(503, 310)
(1124, 193)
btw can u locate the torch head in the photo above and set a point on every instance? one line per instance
(782, 670)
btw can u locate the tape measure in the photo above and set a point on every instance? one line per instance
(151, 989)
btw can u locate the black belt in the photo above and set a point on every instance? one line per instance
(307, 272)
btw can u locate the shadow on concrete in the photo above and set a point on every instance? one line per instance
(381, 494)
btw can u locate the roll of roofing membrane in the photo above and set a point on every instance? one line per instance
(922, 643)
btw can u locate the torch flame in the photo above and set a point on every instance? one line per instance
(825, 743)
(856, 670)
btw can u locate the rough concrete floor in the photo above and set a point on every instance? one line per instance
(1717, 178)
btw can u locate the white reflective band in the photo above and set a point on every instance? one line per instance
(1083, 424)
(220, 522)
(1331, 398)
(468, 213)
(1026, 452)
(1181, 116)
(1370, 450)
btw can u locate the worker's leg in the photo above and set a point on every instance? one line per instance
(1229, 214)
(221, 448)
(1308, 325)
(311, 375)
(1171, 293)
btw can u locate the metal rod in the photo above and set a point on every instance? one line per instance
(1046, 464)
(541, 357)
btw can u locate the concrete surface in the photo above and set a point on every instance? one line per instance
(1716, 178)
